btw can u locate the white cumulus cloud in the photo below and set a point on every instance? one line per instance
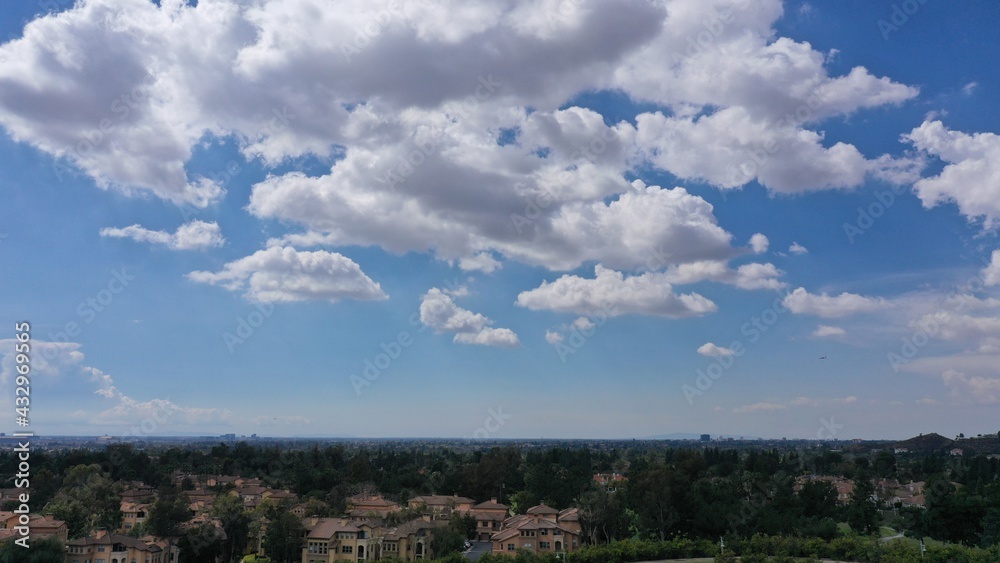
(971, 176)
(286, 274)
(611, 293)
(189, 236)
(710, 349)
(823, 331)
(759, 243)
(439, 311)
(823, 305)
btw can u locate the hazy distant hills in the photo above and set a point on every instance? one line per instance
(933, 442)
(688, 436)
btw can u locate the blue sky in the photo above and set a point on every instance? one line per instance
(617, 220)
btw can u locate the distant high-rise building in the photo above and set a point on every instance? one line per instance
(706, 437)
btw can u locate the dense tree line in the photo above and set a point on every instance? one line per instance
(670, 491)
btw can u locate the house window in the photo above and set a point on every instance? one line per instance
(544, 545)
(510, 547)
(544, 532)
(347, 549)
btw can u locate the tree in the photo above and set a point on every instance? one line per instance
(283, 540)
(42, 550)
(990, 534)
(600, 515)
(201, 544)
(449, 539)
(862, 513)
(168, 512)
(235, 524)
(87, 500)
(654, 494)
(818, 499)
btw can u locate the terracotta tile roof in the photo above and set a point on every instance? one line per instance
(569, 515)
(542, 509)
(326, 528)
(505, 534)
(412, 527)
(113, 539)
(487, 515)
(441, 500)
(363, 500)
(491, 504)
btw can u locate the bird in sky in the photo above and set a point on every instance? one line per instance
(822, 357)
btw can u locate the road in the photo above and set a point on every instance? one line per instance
(478, 549)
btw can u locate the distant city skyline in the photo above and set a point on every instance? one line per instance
(570, 219)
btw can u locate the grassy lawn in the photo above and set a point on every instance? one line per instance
(916, 542)
(886, 532)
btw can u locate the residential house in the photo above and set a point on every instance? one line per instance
(223, 480)
(410, 541)
(609, 481)
(250, 495)
(540, 530)
(279, 496)
(138, 493)
(134, 514)
(489, 517)
(112, 548)
(441, 506)
(366, 506)
(910, 494)
(844, 487)
(40, 526)
(335, 539)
